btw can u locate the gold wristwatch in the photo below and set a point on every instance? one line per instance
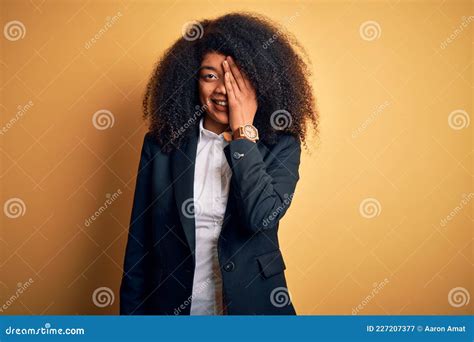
(249, 132)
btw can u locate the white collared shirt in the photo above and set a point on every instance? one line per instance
(211, 190)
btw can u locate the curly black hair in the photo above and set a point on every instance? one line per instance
(272, 59)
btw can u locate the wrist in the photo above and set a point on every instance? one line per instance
(236, 126)
(247, 131)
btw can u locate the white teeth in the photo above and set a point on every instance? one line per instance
(222, 103)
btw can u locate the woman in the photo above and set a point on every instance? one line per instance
(228, 111)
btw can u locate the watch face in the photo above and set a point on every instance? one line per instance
(250, 132)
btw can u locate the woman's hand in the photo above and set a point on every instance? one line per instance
(241, 96)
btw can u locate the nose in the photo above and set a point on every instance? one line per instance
(220, 87)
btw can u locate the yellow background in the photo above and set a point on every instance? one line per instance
(406, 156)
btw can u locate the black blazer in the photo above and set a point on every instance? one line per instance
(159, 257)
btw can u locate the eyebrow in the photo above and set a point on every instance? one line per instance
(207, 67)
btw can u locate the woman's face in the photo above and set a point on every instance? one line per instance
(212, 91)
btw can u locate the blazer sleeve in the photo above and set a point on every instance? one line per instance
(263, 193)
(133, 286)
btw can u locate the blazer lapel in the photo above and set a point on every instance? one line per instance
(183, 165)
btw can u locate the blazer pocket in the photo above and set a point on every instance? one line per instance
(271, 263)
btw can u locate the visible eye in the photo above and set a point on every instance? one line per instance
(209, 76)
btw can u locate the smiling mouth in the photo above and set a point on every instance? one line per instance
(222, 103)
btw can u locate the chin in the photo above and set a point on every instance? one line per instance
(220, 117)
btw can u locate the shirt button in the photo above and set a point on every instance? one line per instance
(229, 267)
(237, 155)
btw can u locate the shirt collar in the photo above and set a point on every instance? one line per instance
(208, 133)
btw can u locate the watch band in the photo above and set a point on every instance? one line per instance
(240, 134)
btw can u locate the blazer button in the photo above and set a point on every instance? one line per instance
(229, 267)
(237, 155)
